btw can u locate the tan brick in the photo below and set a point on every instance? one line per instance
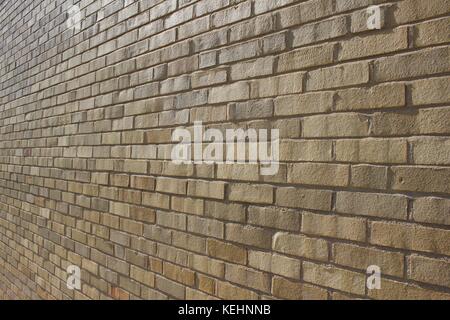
(372, 150)
(277, 86)
(392, 95)
(336, 125)
(274, 263)
(372, 205)
(305, 150)
(372, 45)
(336, 278)
(391, 263)
(334, 226)
(421, 179)
(395, 290)
(232, 92)
(308, 103)
(252, 69)
(338, 76)
(208, 265)
(206, 189)
(319, 31)
(251, 193)
(303, 198)
(429, 270)
(369, 177)
(432, 32)
(208, 227)
(425, 62)
(178, 274)
(258, 237)
(247, 277)
(226, 290)
(291, 290)
(431, 210)
(319, 174)
(301, 246)
(273, 217)
(431, 151)
(410, 237)
(227, 251)
(306, 57)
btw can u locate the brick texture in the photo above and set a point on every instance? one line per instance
(86, 122)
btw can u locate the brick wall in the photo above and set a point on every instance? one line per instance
(86, 177)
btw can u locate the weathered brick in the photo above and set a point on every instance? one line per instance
(301, 246)
(410, 237)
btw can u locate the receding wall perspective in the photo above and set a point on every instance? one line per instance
(225, 149)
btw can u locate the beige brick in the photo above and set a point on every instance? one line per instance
(334, 226)
(232, 92)
(431, 210)
(319, 174)
(208, 78)
(432, 32)
(227, 251)
(323, 30)
(291, 290)
(309, 103)
(178, 274)
(273, 217)
(372, 205)
(301, 246)
(170, 287)
(395, 290)
(373, 45)
(369, 177)
(232, 14)
(277, 86)
(247, 277)
(251, 193)
(305, 150)
(372, 150)
(252, 69)
(336, 278)
(338, 76)
(421, 179)
(306, 57)
(425, 62)
(206, 189)
(391, 263)
(413, 10)
(169, 185)
(410, 237)
(226, 290)
(188, 205)
(336, 125)
(429, 270)
(303, 198)
(274, 263)
(225, 211)
(248, 235)
(377, 97)
(431, 151)
(208, 265)
(208, 227)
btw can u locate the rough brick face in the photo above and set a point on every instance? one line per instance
(87, 114)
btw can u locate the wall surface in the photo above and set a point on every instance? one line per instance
(87, 113)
